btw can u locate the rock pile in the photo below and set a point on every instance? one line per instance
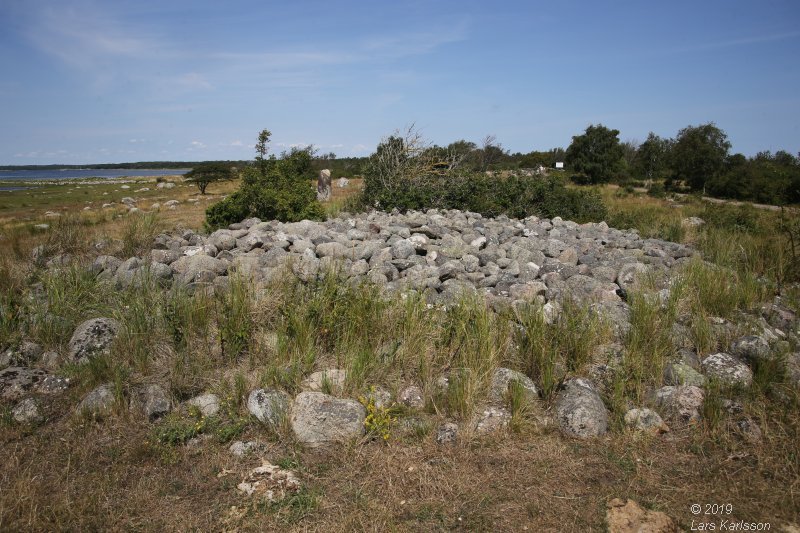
(442, 253)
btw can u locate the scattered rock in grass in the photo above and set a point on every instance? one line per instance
(16, 382)
(268, 406)
(165, 185)
(92, 338)
(626, 516)
(502, 380)
(98, 403)
(412, 396)
(25, 354)
(151, 400)
(682, 403)
(492, 419)
(331, 381)
(580, 410)
(242, 448)
(727, 369)
(752, 348)
(645, 420)
(269, 482)
(318, 419)
(680, 373)
(749, 430)
(447, 433)
(207, 404)
(28, 411)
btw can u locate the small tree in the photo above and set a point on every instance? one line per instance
(597, 154)
(204, 174)
(272, 189)
(651, 157)
(699, 154)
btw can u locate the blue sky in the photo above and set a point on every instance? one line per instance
(112, 81)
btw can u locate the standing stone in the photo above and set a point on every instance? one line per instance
(324, 185)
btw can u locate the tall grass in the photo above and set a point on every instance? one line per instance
(137, 233)
(549, 351)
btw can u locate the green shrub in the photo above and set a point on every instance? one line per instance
(515, 196)
(273, 189)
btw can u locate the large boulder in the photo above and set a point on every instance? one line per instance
(268, 406)
(580, 410)
(318, 419)
(92, 338)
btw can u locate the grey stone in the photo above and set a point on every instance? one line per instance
(682, 403)
(318, 419)
(580, 410)
(98, 403)
(502, 379)
(207, 404)
(151, 400)
(28, 411)
(727, 369)
(645, 420)
(447, 433)
(92, 338)
(268, 406)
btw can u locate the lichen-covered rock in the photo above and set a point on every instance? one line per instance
(503, 378)
(751, 348)
(727, 369)
(447, 433)
(681, 403)
(98, 403)
(318, 419)
(268, 406)
(645, 420)
(580, 410)
(680, 373)
(28, 411)
(92, 338)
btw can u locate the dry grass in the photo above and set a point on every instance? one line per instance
(70, 476)
(76, 474)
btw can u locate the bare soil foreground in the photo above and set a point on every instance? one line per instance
(541, 376)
